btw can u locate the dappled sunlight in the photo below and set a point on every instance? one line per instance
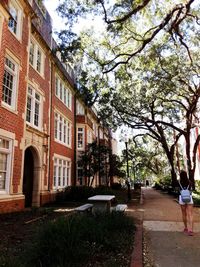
(130, 210)
(64, 210)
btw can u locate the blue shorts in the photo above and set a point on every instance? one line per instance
(182, 203)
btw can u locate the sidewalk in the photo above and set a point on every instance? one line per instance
(165, 245)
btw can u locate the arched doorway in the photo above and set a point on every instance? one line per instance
(31, 177)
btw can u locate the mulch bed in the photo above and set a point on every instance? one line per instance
(17, 229)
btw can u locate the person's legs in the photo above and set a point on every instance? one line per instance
(184, 215)
(189, 212)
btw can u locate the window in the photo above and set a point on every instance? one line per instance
(79, 109)
(62, 173)
(5, 163)
(80, 174)
(15, 19)
(89, 137)
(80, 139)
(62, 130)
(10, 79)
(63, 93)
(36, 57)
(34, 108)
(41, 7)
(31, 53)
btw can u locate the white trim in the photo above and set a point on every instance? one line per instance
(33, 107)
(9, 152)
(62, 167)
(63, 92)
(62, 135)
(37, 48)
(15, 4)
(83, 134)
(15, 75)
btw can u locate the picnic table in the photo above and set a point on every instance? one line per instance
(101, 203)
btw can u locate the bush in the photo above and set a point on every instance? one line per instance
(78, 193)
(78, 239)
(82, 193)
(116, 186)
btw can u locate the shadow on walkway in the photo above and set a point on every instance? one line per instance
(164, 243)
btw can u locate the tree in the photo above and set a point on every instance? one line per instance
(129, 28)
(162, 102)
(96, 159)
(147, 158)
(153, 53)
(116, 168)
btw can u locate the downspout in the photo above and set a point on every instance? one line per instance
(50, 126)
(99, 154)
(75, 152)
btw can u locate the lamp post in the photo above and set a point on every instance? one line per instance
(127, 168)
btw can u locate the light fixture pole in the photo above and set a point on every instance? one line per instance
(127, 169)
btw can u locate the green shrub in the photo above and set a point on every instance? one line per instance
(116, 186)
(78, 193)
(75, 240)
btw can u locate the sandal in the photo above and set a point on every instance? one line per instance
(190, 233)
(185, 230)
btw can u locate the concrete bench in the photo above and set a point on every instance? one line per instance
(121, 207)
(86, 207)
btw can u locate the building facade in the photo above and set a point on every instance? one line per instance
(43, 123)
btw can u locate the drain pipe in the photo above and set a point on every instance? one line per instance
(50, 126)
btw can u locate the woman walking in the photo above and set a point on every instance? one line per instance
(186, 206)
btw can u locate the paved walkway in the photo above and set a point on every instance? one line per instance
(163, 235)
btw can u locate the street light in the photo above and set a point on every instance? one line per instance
(127, 168)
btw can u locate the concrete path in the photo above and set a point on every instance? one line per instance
(167, 245)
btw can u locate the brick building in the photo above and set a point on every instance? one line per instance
(43, 124)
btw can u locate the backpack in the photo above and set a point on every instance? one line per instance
(185, 194)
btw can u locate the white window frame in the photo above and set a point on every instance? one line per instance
(62, 130)
(89, 137)
(79, 108)
(18, 8)
(62, 92)
(61, 172)
(8, 151)
(80, 178)
(34, 56)
(15, 75)
(34, 102)
(80, 131)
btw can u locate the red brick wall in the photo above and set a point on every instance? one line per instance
(11, 206)
(55, 146)
(47, 198)
(9, 121)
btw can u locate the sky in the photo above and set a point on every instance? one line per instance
(58, 22)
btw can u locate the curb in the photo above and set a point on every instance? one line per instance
(136, 257)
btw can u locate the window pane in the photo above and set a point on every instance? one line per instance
(12, 23)
(54, 176)
(7, 87)
(31, 53)
(10, 64)
(3, 162)
(59, 176)
(64, 176)
(56, 126)
(2, 180)
(36, 115)
(3, 170)
(39, 60)
(4, 143)
(28, 109)
(57, 84)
